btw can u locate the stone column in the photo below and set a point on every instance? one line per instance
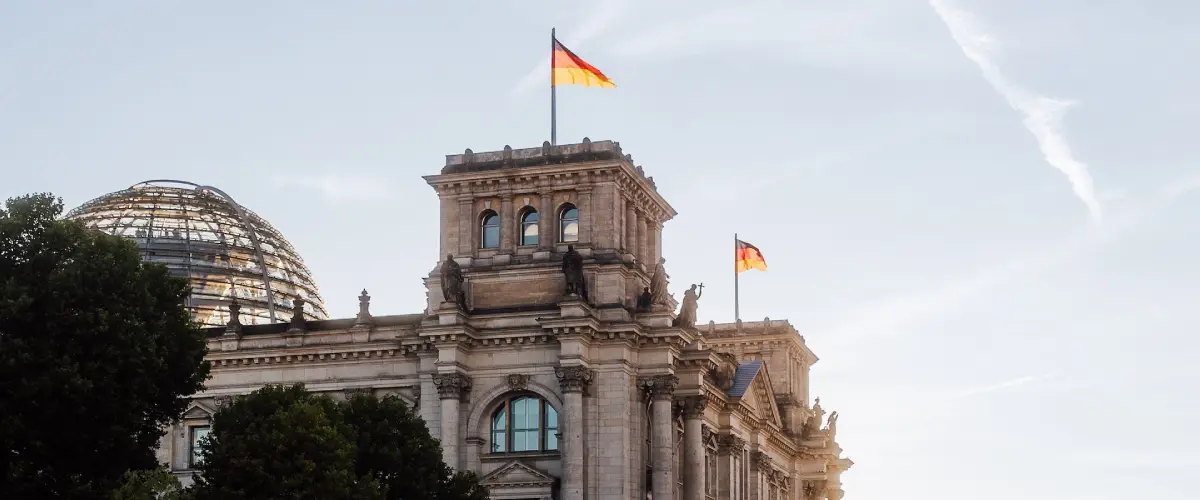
(643, 242)
(451, 388)
(693, 447)
(728, 446)
(508, 219)
(630, 228)
(574, 381)
(654, 245)
(547, 223)
(760, 464)
(466, 227)
(662, 439)
(585, 215)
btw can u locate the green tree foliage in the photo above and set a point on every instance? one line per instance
(97, 352)
(282, 443)
(151, 484)
(395, 447)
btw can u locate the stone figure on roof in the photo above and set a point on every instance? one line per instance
(452, 283)
(687, 310)
(658, 284)
(572, 268)
(645, 301)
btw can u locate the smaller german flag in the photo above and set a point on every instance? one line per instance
(749, 257)
(568, 69)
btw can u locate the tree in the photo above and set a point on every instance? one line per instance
(281, 443)
(97, 352)
(151, 484)
(394, 446)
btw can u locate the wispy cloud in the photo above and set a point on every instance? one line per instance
(1007, 384)
(600, 19)
(338, 188)
(898, 314)
(1043, 115)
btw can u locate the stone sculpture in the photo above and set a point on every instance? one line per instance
(572, 268)
(658, 284)
(452, 283)
(687, 310)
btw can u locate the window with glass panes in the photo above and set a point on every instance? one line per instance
(529, 227)
(568, 224)
(524, 424)
(198, 433)
(489, 230)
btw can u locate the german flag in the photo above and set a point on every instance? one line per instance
(569, 69)
(749, 257)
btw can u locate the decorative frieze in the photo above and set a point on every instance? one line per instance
(573, 378)
(660, 386)
(354, 391)
(452, 385)
(517, 381)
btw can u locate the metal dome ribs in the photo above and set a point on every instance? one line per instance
(222, 248)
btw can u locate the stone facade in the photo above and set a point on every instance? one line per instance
(547, 394)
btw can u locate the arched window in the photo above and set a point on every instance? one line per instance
(489, 236)
(524, 424)
(529, 227)
(568, 224)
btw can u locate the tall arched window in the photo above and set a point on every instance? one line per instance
(489, 236)
(524, 424)
(529, 227)
(568, 224)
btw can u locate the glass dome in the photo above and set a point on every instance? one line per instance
(222, 248)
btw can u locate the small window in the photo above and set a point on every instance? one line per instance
(568, 224)
(529, 227)
(198, 433)
(524, 424)
(490, 237)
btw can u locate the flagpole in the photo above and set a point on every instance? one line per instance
(553, 99)
(737, 316)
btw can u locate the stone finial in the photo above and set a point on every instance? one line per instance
(452, 385)
(298, 324)
(629, 158)
(547, 150)
(234, 326)
(660, 386)
(468, 156)
(507, 155)
(587, 145)
(518, 381)
(573, 378)
(364, 309)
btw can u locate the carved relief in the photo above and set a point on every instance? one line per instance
(220, 402)
(728, 444)
(452, 385)
(518, 381)
(760, 461)
(573, 378)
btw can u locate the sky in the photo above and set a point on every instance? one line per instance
(980, 214)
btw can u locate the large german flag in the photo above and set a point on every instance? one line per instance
(569, 69)
(749, 257)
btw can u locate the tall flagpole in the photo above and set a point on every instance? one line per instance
(737, 316)
(553, 100)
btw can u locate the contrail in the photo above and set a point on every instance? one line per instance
(1043, 115)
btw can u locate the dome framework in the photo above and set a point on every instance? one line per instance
(225, 250)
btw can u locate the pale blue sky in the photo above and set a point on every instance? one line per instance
(985, 333)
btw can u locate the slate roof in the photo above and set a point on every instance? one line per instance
(743, 377)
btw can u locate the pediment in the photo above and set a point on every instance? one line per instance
(197, 411)
(516, 474)
(760, 399)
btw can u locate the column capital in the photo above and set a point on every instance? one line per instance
(660, 386)
(452, 385)
(760, 461)
(728, 444)
(693, 406)
(573, 378)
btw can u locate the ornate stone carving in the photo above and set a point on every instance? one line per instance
(572, 269)
(452, 385)
(297, 324)
(813, 488)
(760, 461)
(416, 395)
(517, 381)
(354, 391)
(728, 444)
(573, 378)
(693, 406)
(220, 402)
(364, 309)
(658, 284)
(234, 326)
(831, 425)
(687, 309)
(452, 283)
(660, 386)
(722, 376)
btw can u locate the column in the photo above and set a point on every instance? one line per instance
(573, 380)
(630, 228)
(662, 438)
(466, 227)
(693, 447)
(729, 473)
(547, 223)
(760, 464)
(508, 219)
(585, 215)
(451, 387)
(643, 240)
(654, 245)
